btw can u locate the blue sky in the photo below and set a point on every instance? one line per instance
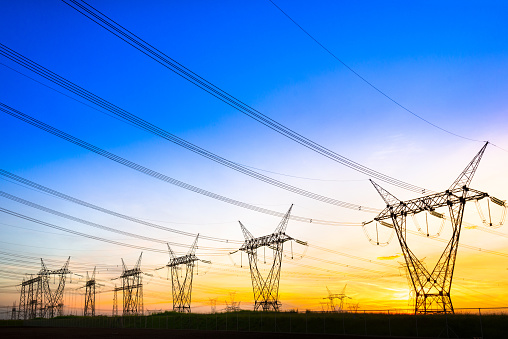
(447, 62)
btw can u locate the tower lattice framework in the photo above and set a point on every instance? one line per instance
(31, 300)
(54, 299)
(266, 290)
(132, 288)
(90, 284)
(181, 284)
(432, 288)
(36, 297)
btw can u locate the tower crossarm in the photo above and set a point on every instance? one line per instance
(129, 273)
(430, 202)
(31, 281)
(183, 260)
(268, 240)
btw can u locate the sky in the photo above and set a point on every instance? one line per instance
(445, 62)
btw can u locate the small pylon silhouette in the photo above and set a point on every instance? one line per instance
(182, 286)
(341, 297)
(266, 291)
(90, 295)
(132, 287)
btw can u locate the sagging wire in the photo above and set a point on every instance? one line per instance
(498, 202)
(295, 256)
(435, 214)
(376, 242)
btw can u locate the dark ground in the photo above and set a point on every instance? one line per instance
(81, 333)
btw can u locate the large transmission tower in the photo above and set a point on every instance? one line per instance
(266, 290)
(90, 295)
(182, 285)
(432, 288)
(132, 288)
(54, 299)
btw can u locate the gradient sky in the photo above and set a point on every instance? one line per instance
(447, 62)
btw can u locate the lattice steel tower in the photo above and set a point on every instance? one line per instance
(54, 299)
(182, 285)
(432, 288)
(132, 288)
(31, 300)
(266, 291)
(90, 295)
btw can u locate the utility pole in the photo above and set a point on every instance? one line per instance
(182, 286)
(432, 288)
(266, 290)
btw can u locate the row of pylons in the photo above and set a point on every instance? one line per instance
(431, 288)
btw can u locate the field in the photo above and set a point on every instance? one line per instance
(251, 324)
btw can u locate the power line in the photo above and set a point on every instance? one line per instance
(104, 210)
(149, 127)
(368, 82)
(45, 127)
(43, 223)
(166, 61)
(91, 224)
(140, 128)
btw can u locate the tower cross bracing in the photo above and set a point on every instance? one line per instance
(181, 284)
(266, 290)
(432, 288)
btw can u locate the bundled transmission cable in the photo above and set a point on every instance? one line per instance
(52, 130)
(43, 223)
(366, 81)
(152, 52)
(145, 125)
(88, 223)
(44, 189)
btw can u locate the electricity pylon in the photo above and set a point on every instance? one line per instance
(432, 288)
(132, 288)
(90, 295)
(54, 299)
(13, 312)
(115, 302)
(234, 306)
(213, 305)
(31, 300)
(182, 286)
(339, 296)
(266, 291)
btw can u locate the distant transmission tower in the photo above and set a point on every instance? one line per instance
(54, 299)
(115, 302)
(31, 300)
(213, 305)
(432, 288)
(182, 285)
(14, 314)
(90, 295)
(234, 306)
(132, 288)
(266, 291)
(340, 297)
